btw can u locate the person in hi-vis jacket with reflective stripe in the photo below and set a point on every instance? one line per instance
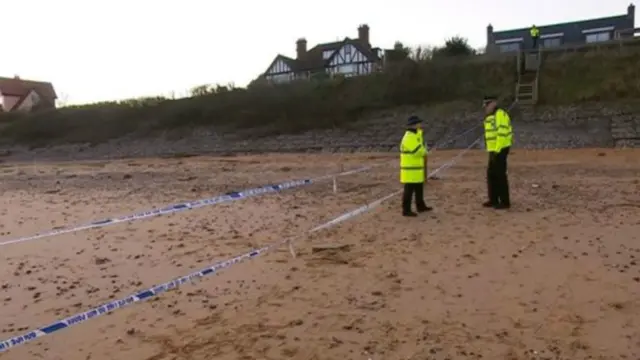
(413, 155)
(498, 137)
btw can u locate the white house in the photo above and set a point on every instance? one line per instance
(349, 57)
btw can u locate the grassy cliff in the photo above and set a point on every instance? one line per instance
(567, 78)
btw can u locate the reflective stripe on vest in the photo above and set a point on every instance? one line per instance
(490, 133)
(505, 132)
(415, 150)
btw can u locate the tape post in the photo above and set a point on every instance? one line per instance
(158, 289)
(170, 209)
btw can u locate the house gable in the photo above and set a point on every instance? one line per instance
(27, 102)
(352, 59)
(347, 54)
(281, 70)
(280, 65)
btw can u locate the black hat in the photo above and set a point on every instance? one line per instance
(488, 99)
(413, 119)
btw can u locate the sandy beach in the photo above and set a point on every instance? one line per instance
(555, 277)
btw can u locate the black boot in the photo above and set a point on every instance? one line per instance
(409, 214)
(424, 208)
(488, 204)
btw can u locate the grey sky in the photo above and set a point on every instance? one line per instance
(100, 50)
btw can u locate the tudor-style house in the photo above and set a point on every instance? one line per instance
(349, 57)
(17, 94)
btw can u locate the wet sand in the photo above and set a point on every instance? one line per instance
(555, 277)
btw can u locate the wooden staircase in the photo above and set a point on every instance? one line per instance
(528, 75)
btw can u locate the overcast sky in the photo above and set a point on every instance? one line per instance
(95, 50)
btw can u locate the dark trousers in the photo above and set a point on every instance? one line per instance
(535, 42)
(497, 180)
(410, 190)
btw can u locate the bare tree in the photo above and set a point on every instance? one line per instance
(421, 53)
(201, 90)
(63, 100)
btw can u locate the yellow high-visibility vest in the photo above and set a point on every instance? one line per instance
(412, 153)
(534, 32)
(498, 133)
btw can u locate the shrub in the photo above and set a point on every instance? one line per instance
(422, 76)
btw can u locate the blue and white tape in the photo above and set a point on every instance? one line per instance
(148, 293)
(151, 292)
(456, 137)
(231, 196)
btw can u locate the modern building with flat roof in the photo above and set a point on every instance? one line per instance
(570, 33)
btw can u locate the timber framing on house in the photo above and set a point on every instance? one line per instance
(17, 94)
(349, 57)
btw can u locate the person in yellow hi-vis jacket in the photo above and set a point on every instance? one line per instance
(535, 35)
(413, 155)
(498, 137)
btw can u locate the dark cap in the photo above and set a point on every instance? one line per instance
(413, 119)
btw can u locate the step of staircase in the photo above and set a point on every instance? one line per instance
(526, 89)
(529, 101)
(527, 85)
(525, 92)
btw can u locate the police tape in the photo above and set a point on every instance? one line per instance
(454, 138)
(447, 141)
(158, 289)
(230, 196)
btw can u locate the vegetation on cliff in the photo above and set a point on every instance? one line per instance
(435, 76)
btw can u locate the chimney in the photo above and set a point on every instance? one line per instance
(363, 34)
(301, 48)
(490, 44)
(631, 14)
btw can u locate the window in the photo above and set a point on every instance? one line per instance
(515, 46)
(281, 78)
(509, 45)
(551, 42)
(598, 37)
(347, 69)
(598, 34)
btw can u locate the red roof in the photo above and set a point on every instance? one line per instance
(20, 87)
